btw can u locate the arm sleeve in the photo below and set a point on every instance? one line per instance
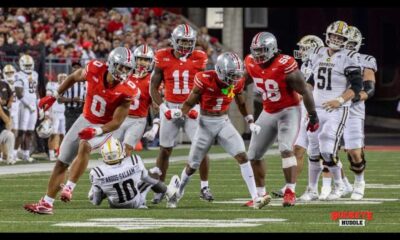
(352, 71)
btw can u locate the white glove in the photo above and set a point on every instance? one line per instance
(254, 128)
(151, 134)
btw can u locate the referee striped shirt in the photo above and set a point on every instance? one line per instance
(77, 90)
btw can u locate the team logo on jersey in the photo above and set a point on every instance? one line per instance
(328, 59)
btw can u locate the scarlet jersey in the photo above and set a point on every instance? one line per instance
(271, 82)
(101, 102)
(179, 72)
(140, 104)
(212, 99)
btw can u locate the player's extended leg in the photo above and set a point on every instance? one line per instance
(190, 128)
(326, 184)
(169, 129)
(354, 142)
(27, 145)
(233, 143)
(288, 128)
(53, 142)
(258, 146)
(299, 153)
(329, 140)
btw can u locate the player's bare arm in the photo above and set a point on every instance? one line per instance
(155, 82)
(296, 81)
(241, 103)
(120, 113)
(248, 79)
(77, 76)
(192, 100)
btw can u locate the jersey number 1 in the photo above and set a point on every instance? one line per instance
(185, 89)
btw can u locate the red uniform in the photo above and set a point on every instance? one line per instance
(179, 73)
(140, 104)
(276, 94)
(101, 102)
(212, 99)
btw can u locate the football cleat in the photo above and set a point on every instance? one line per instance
(325, 191)
(173, 187)
(41, 207)
(289, 198)
(347, 189)
(309, 195)
(336, 193)
(260, 202)
(358, 192)
(66, 193)
(206, 194)
(278, 194)
(250, 203)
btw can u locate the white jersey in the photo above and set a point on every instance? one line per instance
(119, 182)
(29, 82)
(328, 71)
(307, 71)
(57, 107)
(15, 102)
(357, 110)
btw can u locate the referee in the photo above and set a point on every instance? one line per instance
(74, 98)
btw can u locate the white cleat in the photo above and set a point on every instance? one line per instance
(325, 191)
(347, 190)
(336, 193)
(309, 195)
(260, 202)
(358, 192)
(173, 195)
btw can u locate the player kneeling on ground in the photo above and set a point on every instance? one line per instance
(125, 181)
(215, 90)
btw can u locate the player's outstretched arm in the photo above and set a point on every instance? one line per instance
(77, 76)
(296, 81)
(192, 100)
(120, 113)
(155, 82)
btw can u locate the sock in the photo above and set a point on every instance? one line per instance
(326, 181)
(184, 180)
(337, 175)
(203, 184)
(261, 191)
(70, 185)
(26, 153)
(359, 177)
(52, 154)
(248, 177)
(314, 171)
(346, 181)
(48, 200)
(291, 186)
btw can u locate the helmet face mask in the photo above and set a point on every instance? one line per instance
(9, 74)
(26, 64)
(337, 35)
(229, 68)
(307, 45)
(112, 151)
(45, 129)
(120, 63)
(143, 59)
(355, 39)
(263, 47)
(183, 39)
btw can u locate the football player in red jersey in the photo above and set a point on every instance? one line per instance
(107, 103)
(215, 90)
(280, 81)
(131, 130)
(176, 67)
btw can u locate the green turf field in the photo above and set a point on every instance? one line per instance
(225, 214)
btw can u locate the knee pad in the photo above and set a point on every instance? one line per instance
(314, 158)
(329, 159)
(325, 170)
(358, 167)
